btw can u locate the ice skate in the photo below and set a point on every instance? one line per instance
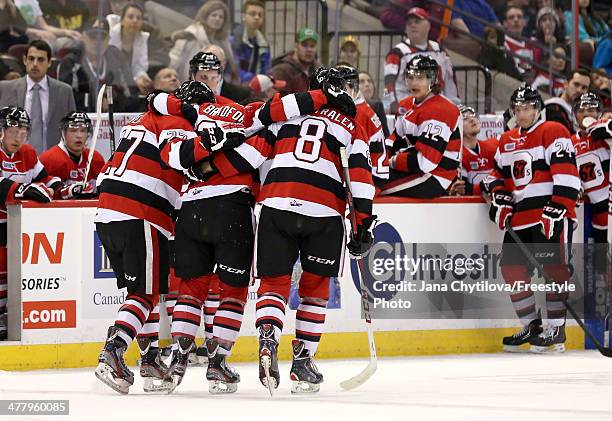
(221, 378)
(112, 369)
(180, 360)
(304, 374)
(152, 369)
(513, 343)
(268, 359)
(201, 354)
(552, 340)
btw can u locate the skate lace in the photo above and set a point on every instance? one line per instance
(549, 332)
(521, 333)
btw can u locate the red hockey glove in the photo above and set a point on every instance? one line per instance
(552, 219)
(34, 191)
(501, 209)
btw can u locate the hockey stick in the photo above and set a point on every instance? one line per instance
(603, 350)
(111, 119)
(370, 369)
(92, 147)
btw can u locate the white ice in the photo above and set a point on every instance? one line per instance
(575, 386)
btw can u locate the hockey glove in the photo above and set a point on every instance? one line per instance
(501, 207)
(221, 139)
(340, 100)
(601, 130)
(552, 220)
(34, 191)
(201, 171)
(362, 242)
(77, 191)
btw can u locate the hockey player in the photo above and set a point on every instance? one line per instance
(23, 177)
(534, 185)
(371, 124)
(303, 205)
(68, 159)
(138, 194)
(477, 157)
(426, 140)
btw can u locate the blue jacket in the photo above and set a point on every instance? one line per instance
(244, 54)
(603, 54)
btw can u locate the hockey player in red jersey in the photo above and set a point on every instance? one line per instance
(370, 122)
(426, 140)
(23, 177)
(138, 195)
(477, 157)
(68, 159)
(303, 205)
(534, 185)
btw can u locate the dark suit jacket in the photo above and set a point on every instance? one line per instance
(236, 93)
(61, 102)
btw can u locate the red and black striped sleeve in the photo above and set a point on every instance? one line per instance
(561, 157)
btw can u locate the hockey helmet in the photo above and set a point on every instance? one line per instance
(422, 64)
(75, 119)
(204, 61)
(526, 95)
(194, 92)
(318, 77)
(13, 116)
(588, 100)
(350, 75)
(467, 111)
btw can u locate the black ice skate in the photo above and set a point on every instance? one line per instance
(552, 340)
(111, 369)
(221, 377)
(201, 354)
(152, 369)
(268, 359)
(514, 342)
(180, 359)
(304, 374)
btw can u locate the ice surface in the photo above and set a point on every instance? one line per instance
(574, 386)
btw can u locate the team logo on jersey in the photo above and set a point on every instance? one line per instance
(474, 165)
(8, 165)
(509, 147)
(376, 121)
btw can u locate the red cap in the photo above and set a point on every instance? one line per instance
(418, 12)
(261, 83)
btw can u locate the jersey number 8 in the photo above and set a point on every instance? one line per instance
(308, 146)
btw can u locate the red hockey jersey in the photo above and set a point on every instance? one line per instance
(477, 163)
(537, 165)
(59, 163)
(426, 140)
(375, 137)
(593, 161)
(136, 183)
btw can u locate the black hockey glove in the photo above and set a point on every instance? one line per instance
(77, 191)
(502, 207)
(601, 130)
(361, 244)
(340, 100)
(201, 171)
(34, 191)
(190, 113)
(218, 139)
(552, 220)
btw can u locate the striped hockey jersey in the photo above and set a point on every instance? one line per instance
(375, 137)
(59, 163)
(136, 183)
(301, 168)
(537, 165)
(426, 140)
(593, 161)
(477, 163)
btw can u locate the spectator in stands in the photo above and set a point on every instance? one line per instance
(250, 47)
(601, 84)
(296, 66)
(603, 54)
(263, 87)
(211, 27)
(128, 37)
(417, 42)
(479, 8)
(560, 108)
(548, 28)
(493, 54)
(350, 51)
(591, 28)
(12, 26)
(224, 88)
(45, 99)
(166, 80)
(368, 90)
(65, 14)
(38, 28)
(557, 80)
(514, 23)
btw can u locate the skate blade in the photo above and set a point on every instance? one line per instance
(268, 381)
(202, 361)
(552, 349)
(156, 385)
(105, 374)
(300, 388)
(217, 387)
(517, 349)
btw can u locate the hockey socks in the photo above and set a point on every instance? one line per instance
(132, 316)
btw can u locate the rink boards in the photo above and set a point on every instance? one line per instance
(62, 286)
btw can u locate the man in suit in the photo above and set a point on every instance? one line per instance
(45, 99)
(226, 89)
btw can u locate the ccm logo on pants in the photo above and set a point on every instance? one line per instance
(49, 314)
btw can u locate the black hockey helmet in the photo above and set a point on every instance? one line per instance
(349, 74)
(422, 64)
(204, 61)
(324, 75)
(194, 92)
(588, 100)
(526, 95)
(13, 116)
(75, 119)
(318, 77)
